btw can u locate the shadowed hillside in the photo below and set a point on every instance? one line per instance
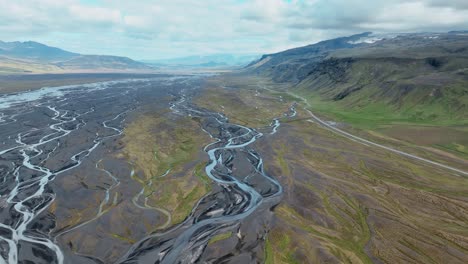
(34, 57)
(418, 78)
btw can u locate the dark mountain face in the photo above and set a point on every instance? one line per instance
(37, 57)
(421, 71)
(31, 50)
(295, 64)
(324, 46)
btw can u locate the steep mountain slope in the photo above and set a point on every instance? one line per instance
(30, 50)
(30, 56)
(416, 78)
(293, 65)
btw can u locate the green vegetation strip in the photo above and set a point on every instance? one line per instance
(220, 237)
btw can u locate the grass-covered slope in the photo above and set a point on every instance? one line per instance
(373, 91)
(413, 88)
(166, 157)
(416, 78)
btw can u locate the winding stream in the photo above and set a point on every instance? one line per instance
(55, 132)
(241, 195)
(36, 129)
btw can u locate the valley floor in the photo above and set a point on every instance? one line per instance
(346, 200)
(228, 168)
(14, 83)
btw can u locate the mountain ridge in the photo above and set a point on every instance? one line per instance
(411, 78)
(35, 57)
(206, 61)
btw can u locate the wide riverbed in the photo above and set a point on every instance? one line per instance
(51, 137)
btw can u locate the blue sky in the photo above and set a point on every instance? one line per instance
(173, 28)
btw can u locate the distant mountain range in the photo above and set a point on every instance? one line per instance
(34, 57)
(206, 61)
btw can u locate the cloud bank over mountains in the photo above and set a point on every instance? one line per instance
(171, 28)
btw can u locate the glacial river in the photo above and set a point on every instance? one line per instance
(37, 134)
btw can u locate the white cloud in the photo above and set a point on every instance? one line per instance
(137, 21)
(167, 28)
(455, 4)
(413, 16)
(93, 14)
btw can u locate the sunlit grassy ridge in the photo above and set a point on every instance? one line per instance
(242, 106)
(371, 114)
(409, 81)
(165, 152)
(220, 237)
(396, 99)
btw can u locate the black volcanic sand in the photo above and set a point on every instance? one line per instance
(57, 161)
(23, 82)
(67, 196)
(240, 203)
